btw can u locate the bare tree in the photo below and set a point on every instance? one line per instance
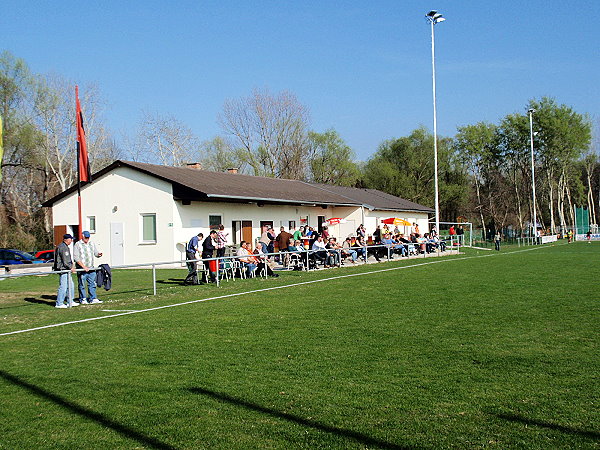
(164, 139)
(271, 133)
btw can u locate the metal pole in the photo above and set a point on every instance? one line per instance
(154, 278)
(435, 150)
(531, 111)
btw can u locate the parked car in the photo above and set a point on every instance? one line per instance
(10, 256)
(46, 255)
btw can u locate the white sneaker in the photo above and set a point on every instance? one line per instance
(83, 301)
(61, 306)
(95, 301)
(74, 304)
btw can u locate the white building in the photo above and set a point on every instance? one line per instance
(142, 213)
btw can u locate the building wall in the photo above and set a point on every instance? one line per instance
(124, 194)
(121, 196)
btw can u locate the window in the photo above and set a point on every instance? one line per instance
(92, 224)
(148, 228)
(214, 222)
(292, 225)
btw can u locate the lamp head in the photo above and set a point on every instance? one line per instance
(531, 111)
(434, 17)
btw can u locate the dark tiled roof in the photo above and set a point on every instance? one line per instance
(195, 184)
(375, 199)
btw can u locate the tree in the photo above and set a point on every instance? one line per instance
(477, 145)
(164, 139)
(332, 159)
(270, 133)
(404, 167)
(562, 136)
(218, 155)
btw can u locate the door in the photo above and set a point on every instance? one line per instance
(247, 231)
(236, 231)
(117, 251)
(320, 220)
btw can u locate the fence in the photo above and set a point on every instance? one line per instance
(306, 260)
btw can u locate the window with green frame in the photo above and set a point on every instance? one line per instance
(214, 222)
(149, 228)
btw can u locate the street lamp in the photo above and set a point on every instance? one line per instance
(434, 17)
(531, 111)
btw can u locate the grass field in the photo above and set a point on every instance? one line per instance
(485, 349)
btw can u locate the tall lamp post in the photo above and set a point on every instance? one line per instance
(434, 17)
(534, 226)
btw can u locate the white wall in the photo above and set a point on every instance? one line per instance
(121, 196)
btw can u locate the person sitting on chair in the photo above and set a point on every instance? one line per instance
(247, 261)
(319, 251)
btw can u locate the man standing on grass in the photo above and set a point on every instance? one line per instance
(63, 261)
(208, 248)
(191, 251)
(83, 255)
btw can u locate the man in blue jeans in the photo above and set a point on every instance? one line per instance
(64, 262)
(84, 258)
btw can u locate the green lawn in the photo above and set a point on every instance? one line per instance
(497, 351)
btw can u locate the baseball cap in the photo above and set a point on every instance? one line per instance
(86, 234)
(67, 236)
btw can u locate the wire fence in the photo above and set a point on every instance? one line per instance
(219, 269)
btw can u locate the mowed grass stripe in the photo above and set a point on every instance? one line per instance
(489, 352)
(127, 312)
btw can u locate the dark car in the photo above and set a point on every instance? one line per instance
(9, 256)
(46, 255)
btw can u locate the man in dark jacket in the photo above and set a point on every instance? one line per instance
(191, 250)
(64, 261)
(208, 248)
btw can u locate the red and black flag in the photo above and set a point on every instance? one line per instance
(82, 154)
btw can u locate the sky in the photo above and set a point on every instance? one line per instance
(362, 68)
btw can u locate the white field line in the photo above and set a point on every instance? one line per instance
(117, 310)
(157, 308)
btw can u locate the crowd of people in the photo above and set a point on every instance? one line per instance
(323, 249)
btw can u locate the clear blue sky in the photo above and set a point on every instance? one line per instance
(363, 68)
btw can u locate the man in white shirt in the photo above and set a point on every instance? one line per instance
(319, 251)
(246, 259)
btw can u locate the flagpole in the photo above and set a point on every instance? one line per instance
(80, 230)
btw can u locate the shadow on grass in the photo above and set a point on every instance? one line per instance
(552, 426)
(178, 281)
(51, 300)
(359, 437)
(87, 413)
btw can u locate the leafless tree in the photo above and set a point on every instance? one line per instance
(270, 131)
(164, 139)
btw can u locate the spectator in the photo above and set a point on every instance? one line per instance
(208, 248)
(497, 240)
(265, 239)
(262, 263)
(389, 246)
(221, 241)
(377, 235)
(246, 259)
(283, 241)
(191, 254)
(360, 231)
(325, 233)
(460, 233)
(83, 254)
(348, 251)
(298, 234)
(64, 261)
(359, 246)
(319, 251)
(333, 257)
